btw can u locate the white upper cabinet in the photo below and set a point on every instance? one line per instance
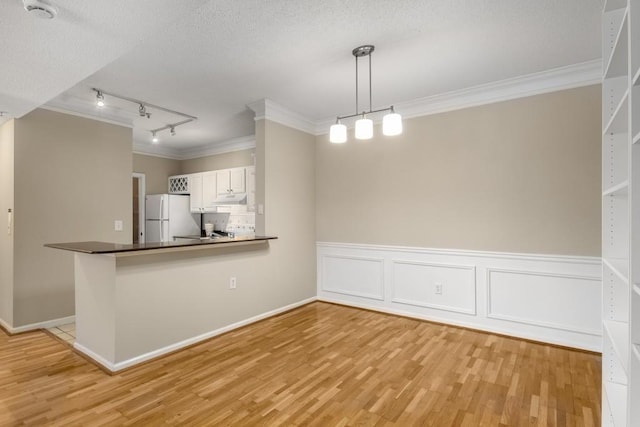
(202, 188)
(231, 181)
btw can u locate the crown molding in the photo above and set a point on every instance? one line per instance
(231, 145)
(156, 150)
(569, 77)
(272, 111)
(78, 108)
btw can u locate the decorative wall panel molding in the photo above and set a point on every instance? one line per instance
(547, 298)
(414, 283)
(353, 275)
(544, 299)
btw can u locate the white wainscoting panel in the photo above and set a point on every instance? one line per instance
(544, 299)
(353, 275)
(547, 298)
(414, 284)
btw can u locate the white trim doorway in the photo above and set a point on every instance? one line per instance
(141, 202)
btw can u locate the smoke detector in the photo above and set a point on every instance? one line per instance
(39, 9)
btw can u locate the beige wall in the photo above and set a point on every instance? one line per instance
(515, 176)
(156, 171)
(285, 177)
(219, 161)
(72, 180)
(6, 239)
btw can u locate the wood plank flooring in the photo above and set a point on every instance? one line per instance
(319, 365)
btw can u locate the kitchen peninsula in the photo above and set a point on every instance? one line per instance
(135, 302)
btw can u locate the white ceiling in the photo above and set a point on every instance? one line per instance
(212, 58)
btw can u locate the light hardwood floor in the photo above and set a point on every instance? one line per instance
(320, 364)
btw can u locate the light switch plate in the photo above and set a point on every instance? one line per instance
(117, 225)
(260, 209)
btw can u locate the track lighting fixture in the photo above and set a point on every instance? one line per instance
(391, 122)
(143, 112)
(99, 99)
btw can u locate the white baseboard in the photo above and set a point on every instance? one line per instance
(548, 298)
(114, 367)
(39, 325)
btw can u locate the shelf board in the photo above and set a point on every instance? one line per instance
(614, 5)
(619, 266)
(620, 117)
(617, 63)
(617, 398)
(620, 189)
(619, 335)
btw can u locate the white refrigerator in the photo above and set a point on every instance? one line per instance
(169, 215)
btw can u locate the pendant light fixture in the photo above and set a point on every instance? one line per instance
(391, 122)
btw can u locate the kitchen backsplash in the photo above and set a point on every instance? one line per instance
(234, 219)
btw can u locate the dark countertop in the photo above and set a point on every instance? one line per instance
(115, 248)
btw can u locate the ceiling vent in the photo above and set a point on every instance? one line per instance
(40, 9)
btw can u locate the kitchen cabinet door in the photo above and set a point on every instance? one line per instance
(209, 191)
(195, 191)
(231, 181)
(223, 181)
(237, 180)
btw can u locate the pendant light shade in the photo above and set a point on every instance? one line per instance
(364, 128)
(338, 133)
(392, 124)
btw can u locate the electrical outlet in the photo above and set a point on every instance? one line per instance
(232, 283)
(438, 288)
(117, 225)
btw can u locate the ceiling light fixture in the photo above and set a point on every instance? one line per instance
(391, 122)
(39, 9)
(143, 112)
(99, 99)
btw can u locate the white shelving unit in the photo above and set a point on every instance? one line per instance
(621, 213)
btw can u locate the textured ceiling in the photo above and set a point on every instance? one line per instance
(211, 61)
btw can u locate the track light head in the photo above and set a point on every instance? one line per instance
(142, 110)
(154, 138)
(99, 99)
(173, 131)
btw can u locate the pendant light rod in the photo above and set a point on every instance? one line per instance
(357, 107)
(146, 104)
(370, 92)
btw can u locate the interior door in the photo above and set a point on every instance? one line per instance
(136, 210)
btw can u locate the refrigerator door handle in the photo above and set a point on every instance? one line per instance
(161, 210)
